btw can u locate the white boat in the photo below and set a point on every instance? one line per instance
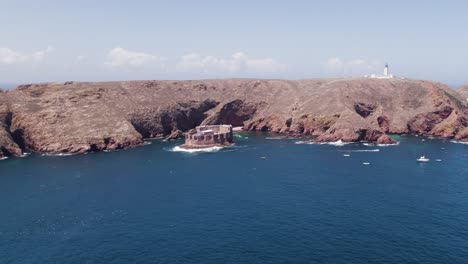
(423, 159)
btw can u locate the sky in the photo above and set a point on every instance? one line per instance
(47, 41)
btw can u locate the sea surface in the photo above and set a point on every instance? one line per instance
(265, 200)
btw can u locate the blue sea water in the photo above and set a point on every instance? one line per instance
(262, 201)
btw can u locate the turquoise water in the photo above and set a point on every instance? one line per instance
(300, 203)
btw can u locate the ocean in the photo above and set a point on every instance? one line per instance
(265, 200)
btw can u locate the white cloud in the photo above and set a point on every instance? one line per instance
(79, 58)
(238, 62)
(123, 57)
(357, 62)
(336, 65)
(10, 56)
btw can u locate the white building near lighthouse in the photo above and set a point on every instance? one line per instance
(386, 74)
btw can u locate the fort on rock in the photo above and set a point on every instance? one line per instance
(208, 136)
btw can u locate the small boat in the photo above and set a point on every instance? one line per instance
(347, 155)
(366, 163)
(423, 159)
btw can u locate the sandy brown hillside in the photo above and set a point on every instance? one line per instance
(78, 117)
(463, 91)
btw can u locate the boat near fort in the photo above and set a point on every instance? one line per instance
(208, 136)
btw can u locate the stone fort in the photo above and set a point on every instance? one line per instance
(209, 136)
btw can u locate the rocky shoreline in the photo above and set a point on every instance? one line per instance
(78, 117)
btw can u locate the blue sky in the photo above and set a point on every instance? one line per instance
(118, 40)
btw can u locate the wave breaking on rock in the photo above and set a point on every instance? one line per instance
(197, 150)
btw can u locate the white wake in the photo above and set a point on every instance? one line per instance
(210, 149)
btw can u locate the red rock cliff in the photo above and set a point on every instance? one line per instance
(79, 117)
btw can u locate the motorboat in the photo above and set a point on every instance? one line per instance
(423, 159)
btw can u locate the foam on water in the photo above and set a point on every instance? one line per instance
(211, 149)
(459, 142)
(380, 145)
(309, 142)
(279, 137)
(240, 136)
(365, 150)
(338, 143)
(4, 158)
(58, 154)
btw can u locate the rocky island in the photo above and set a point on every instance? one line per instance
(79, 117)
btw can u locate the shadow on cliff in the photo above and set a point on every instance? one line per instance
(12, 143)
(181, 116)
(184, 116)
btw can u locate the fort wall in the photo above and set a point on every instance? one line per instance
(209, 136)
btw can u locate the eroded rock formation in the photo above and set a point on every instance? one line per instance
(76, 117)
(8, 147)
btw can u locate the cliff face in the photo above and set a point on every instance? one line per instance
(8, 147)
(463, 92)
(79, 117)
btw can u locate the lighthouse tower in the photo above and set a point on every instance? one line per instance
(386, 74)
(385, 71)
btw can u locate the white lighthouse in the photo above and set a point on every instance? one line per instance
(385, 71)
(386, 74)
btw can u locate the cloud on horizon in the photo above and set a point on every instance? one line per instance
(338, 66)
(10, 56)
(118, 57)
(120, 62)
(192, 63)
(239, 62)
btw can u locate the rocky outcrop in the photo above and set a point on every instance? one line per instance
(53, 119)
(364, 109)
(76, 117)
(384, 123)
(153, 122)
(463, 93)
(8, 147)
(356, 135)
(235, 113)
(176, 134)
(425, 122)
